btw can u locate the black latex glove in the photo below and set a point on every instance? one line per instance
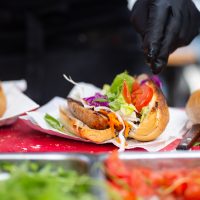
(164, 26)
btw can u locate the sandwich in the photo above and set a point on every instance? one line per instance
(2, 101)
(132, 107)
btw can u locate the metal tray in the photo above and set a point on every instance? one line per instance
(92, 164)
(159, 160)
(155, 161)
(81, 163)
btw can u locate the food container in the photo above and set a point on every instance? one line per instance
(157, 174)
(78, 162)
(92, 165)
(81, 163)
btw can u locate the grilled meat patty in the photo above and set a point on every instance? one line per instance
(90, 117)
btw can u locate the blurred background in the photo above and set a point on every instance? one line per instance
(89, 40)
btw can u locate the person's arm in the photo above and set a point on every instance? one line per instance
(164, 26)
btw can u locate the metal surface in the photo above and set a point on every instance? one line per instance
(45, 157)
(91, 159)
(160, 160)
(80, 163)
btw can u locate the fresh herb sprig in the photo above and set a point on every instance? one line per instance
(53, 122)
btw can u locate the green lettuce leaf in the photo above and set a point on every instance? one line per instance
(44, 182)
(117, 83)
(114, 93)
(144, 112)
(54, 123)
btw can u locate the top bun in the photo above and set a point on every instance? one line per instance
(193, 107)
(157, 118)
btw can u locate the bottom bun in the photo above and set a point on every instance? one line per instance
(77, 127)
(156, 120)
(2, 102)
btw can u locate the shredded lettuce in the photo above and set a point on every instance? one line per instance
(120, 104)
(116, 104)
(106, 88)
(114, 93)
(144, 112)
(33, 181)
(127, 109)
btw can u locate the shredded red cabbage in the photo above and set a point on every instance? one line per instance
(97, 100)
(155, 79)
(144, 81)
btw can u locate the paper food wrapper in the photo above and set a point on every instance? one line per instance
(172, 132)
(17, 102)
(19, 84)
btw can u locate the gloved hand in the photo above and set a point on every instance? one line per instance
(164, 26)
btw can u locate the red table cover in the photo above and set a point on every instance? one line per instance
(21, 138)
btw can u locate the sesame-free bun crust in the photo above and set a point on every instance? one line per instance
(193, 107)
(2, 101)
(156, 120)
(78, 128)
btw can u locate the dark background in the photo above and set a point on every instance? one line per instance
(89, 40)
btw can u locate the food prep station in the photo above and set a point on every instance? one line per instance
(93, 166)
(59, 101)
(23, 143)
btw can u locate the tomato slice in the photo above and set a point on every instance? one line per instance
(126, 93)
(140, 182)
(116, 167)
(192, 192)
(141, 95)
(136, 86)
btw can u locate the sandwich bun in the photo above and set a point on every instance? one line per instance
(2, 101)
(193, 107)
(78, 128)
(156, 120)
